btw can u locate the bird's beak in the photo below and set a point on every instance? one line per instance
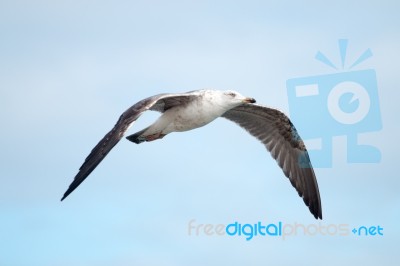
(249, 100)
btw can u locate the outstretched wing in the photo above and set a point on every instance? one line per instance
(277, 133)
(161, 103)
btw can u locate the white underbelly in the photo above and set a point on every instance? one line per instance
(185, 118)
(189, 118)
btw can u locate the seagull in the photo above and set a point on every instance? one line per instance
(194, 109)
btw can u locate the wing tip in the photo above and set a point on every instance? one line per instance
(318, 216)
(64, 196)
(316, 211)
(69, 191)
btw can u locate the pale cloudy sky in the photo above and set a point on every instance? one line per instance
(69, 68)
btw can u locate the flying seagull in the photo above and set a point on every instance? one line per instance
(186, 111)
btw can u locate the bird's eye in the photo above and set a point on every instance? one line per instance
(232, 94)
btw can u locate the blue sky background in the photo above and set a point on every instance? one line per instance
(69, 68)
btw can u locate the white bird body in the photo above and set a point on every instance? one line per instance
(201, 111)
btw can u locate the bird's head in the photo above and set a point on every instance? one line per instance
(226, 100)
(236, 98)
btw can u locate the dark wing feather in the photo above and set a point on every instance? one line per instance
(277, 133)
(161, 103)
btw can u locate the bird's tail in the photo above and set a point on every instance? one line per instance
(137, 137)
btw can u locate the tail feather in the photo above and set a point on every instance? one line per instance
(137, 138)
